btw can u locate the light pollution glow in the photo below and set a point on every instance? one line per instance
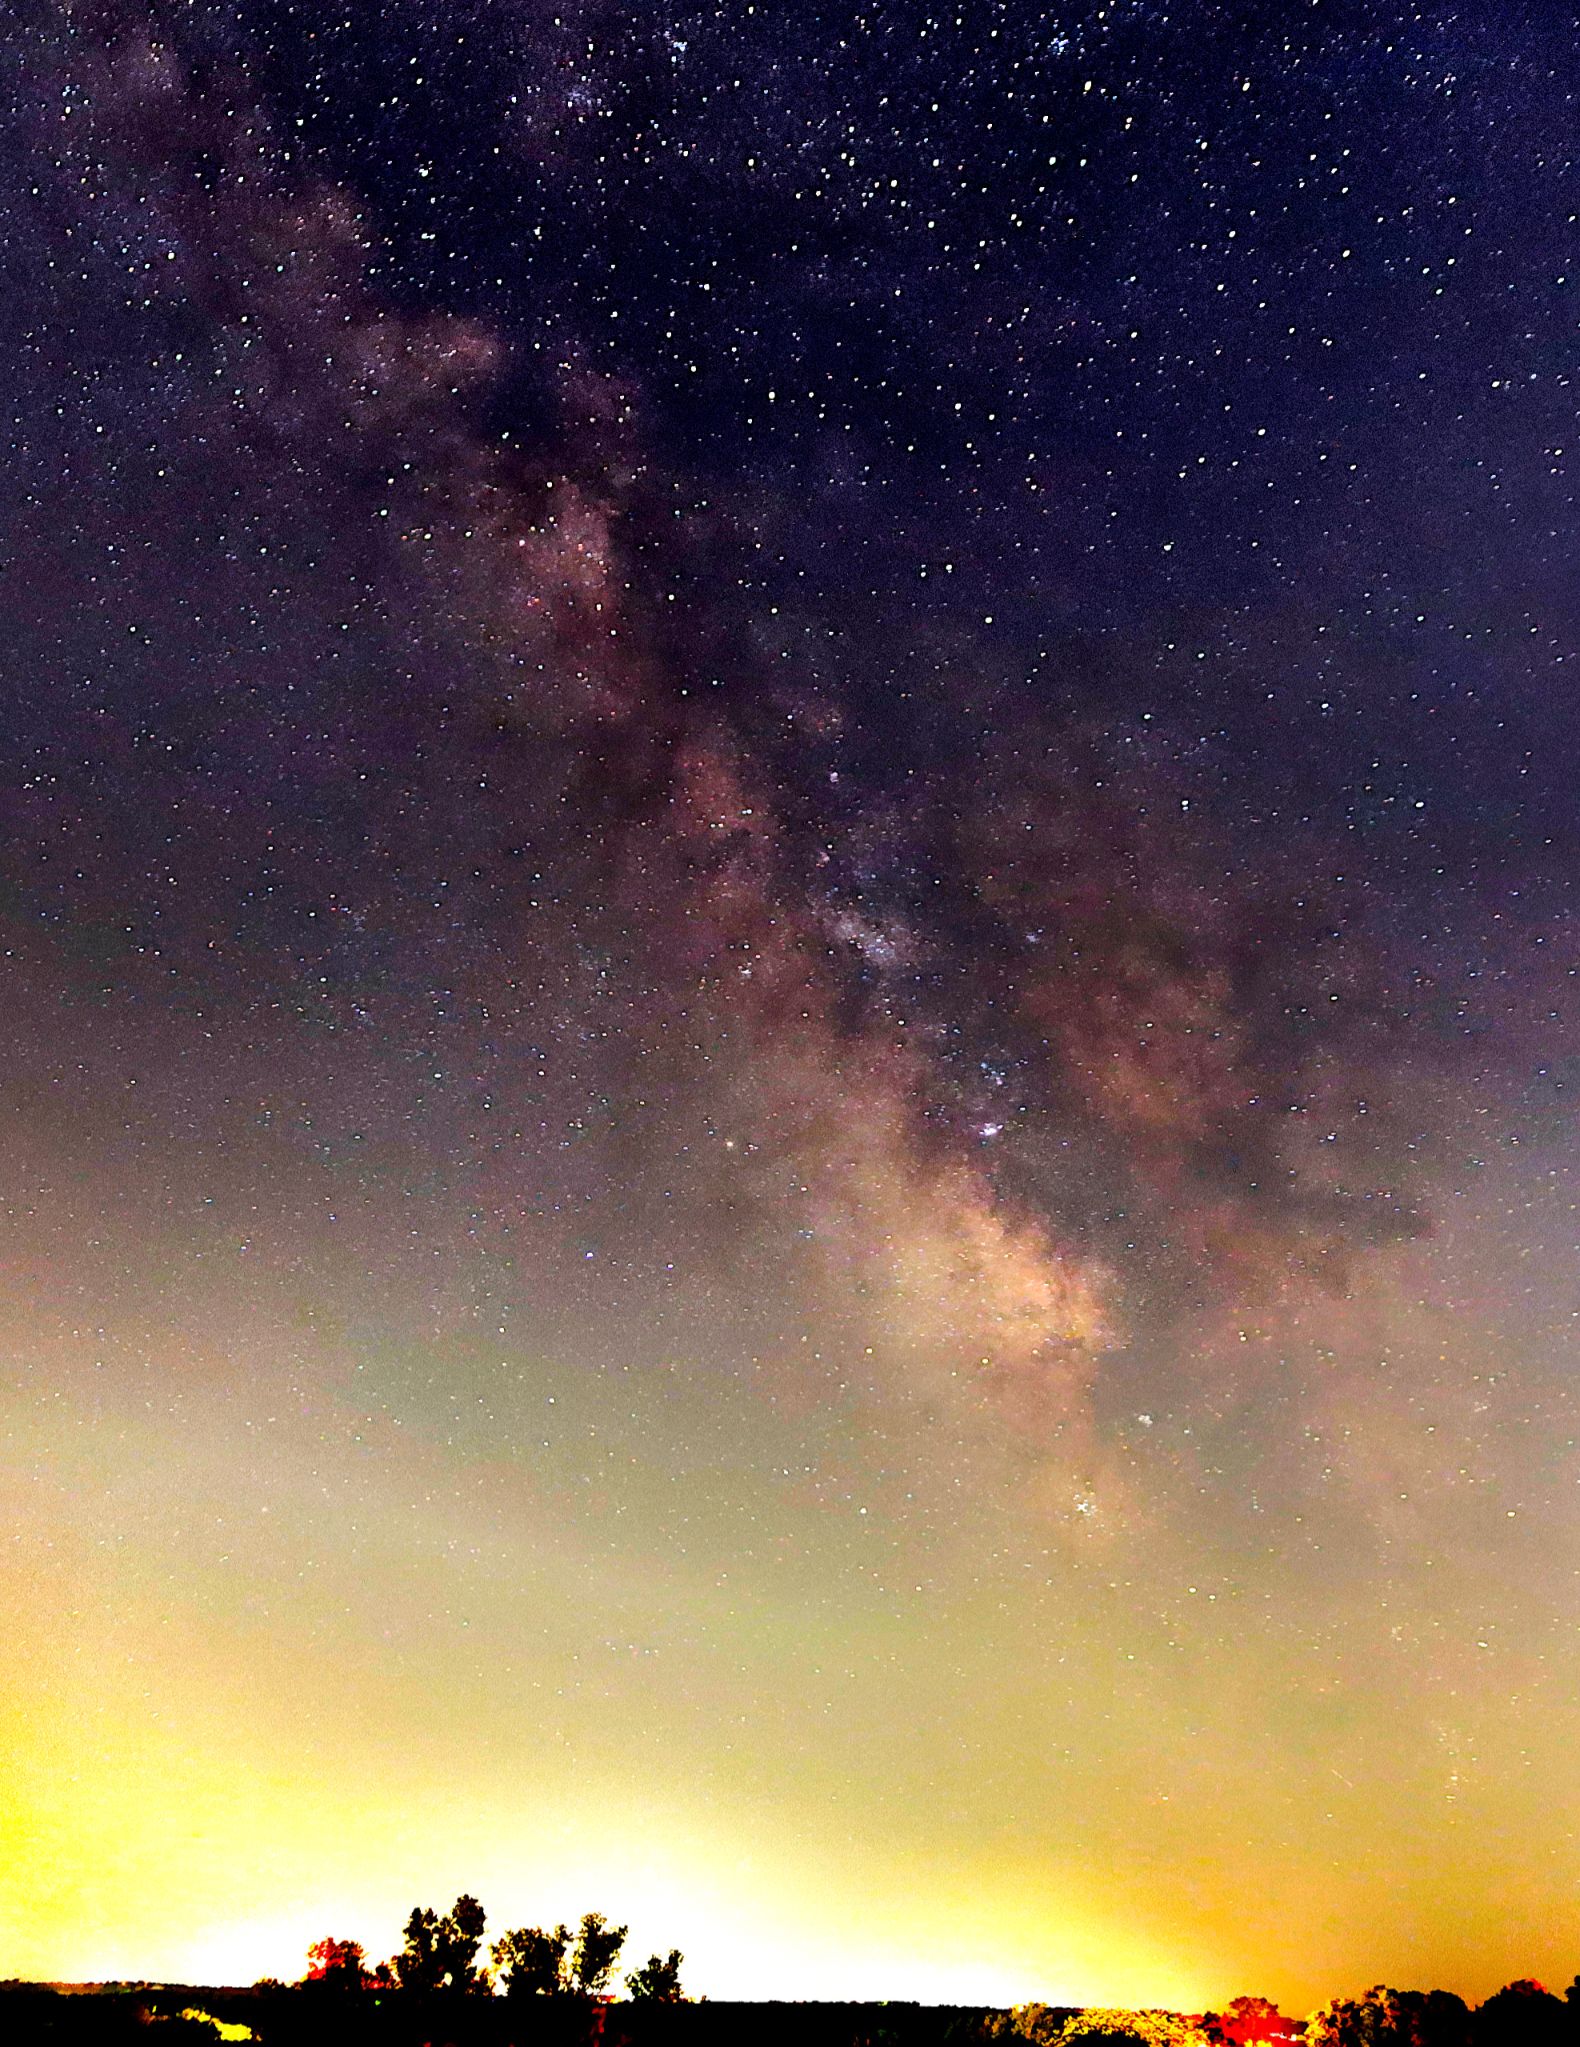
(225, 1736)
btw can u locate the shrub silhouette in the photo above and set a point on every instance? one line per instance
(1052, 2026)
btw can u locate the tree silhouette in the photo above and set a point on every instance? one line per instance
(1248, 2022)
(462, 1937)
(338, 1964)
(441, 1954)
(1522, 2014)
(657, 1981)
(532, 1963)
(598, 1946)
(417, 1966)
(1391, 2018)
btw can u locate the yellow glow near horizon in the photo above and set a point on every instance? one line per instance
(195, 1789)
(272, 1675)
(167, 1855)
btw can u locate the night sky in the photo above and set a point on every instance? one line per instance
(788, 821)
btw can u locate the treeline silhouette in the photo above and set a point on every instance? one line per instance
(557, 1987)
(442, 1955)
(1522, 2014)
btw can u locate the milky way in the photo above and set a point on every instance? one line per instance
(788, 818)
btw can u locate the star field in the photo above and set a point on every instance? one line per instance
(787, 830)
